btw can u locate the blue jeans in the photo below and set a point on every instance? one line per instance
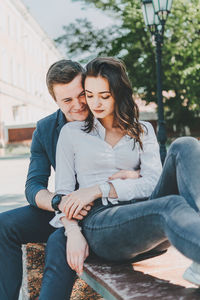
(171, 213)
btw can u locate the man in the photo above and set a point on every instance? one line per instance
(31, 223)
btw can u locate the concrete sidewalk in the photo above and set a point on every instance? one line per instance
(13, 172)
(12, 179)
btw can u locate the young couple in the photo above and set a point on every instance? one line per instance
(124, 204)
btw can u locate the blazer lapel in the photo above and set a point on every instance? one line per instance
(61, 121)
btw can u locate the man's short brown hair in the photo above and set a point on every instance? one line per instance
(62, 71)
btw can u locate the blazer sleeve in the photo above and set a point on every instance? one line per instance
(39, 169)
(150, 170)
(65, 180)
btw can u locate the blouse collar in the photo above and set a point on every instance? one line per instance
(99, 129)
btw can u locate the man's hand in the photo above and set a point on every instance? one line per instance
(77, 250)
(84, 211)
(125, 174)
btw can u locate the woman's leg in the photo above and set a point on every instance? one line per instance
(58, 278)
(122, 232)
(181, 172)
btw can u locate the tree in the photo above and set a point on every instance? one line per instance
(129, 40)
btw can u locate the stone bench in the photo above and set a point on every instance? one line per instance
(155, 278)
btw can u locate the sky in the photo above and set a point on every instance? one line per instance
(53, 14)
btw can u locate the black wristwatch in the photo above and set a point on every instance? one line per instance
(56, 201)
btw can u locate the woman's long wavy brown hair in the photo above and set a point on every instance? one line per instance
(126, 111)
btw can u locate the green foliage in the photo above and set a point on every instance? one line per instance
(129, 40)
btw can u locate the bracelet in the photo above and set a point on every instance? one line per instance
(70, 228)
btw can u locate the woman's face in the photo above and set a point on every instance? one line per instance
(99, 98)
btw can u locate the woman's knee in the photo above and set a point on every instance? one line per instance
(184, 144)
(173, 201)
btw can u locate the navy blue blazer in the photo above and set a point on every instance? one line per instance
(43, 153)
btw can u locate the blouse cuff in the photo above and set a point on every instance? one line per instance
(123, 190)
(56, 222)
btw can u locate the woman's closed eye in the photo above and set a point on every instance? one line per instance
(89, 96)
(105, 97)
(102, 97)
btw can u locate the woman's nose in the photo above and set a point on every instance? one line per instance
(97, 102)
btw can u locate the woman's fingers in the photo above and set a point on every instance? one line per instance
(79, 217)
(83, 212)
(69, 260)
(80, 264)
(125, 174)
(86, 252)
(75, 261)
(72, 209)
(117, 175)
(68, 206)
(77, 210)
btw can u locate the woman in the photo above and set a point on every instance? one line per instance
(134, 215)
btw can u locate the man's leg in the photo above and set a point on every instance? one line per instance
(17, 227)
(58, 278)
(122, 232)
(181, 172)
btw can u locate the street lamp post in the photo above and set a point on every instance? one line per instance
(155, 15)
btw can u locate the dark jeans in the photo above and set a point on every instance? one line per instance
(24, 225)
(171, 213)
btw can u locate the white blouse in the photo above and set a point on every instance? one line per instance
(93, 160)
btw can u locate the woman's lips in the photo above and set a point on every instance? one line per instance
(98, 111)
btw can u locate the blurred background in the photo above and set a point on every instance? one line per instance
(35, 34)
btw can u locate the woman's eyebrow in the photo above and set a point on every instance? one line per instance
(103, 92)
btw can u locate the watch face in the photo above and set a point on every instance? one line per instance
(56, 201)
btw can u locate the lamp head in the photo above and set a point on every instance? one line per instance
(151, 19)
(162, 8)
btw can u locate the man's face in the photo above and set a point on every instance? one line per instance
(70, 98)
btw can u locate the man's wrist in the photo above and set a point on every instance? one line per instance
(55, 201)
(62, 203)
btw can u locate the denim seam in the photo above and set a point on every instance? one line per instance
(117, 225)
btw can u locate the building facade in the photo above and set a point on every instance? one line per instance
(26, 52)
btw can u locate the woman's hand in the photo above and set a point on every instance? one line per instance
(125, 174)
(79, 199)
(77, 250)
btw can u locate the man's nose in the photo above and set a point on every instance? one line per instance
(78, 103)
